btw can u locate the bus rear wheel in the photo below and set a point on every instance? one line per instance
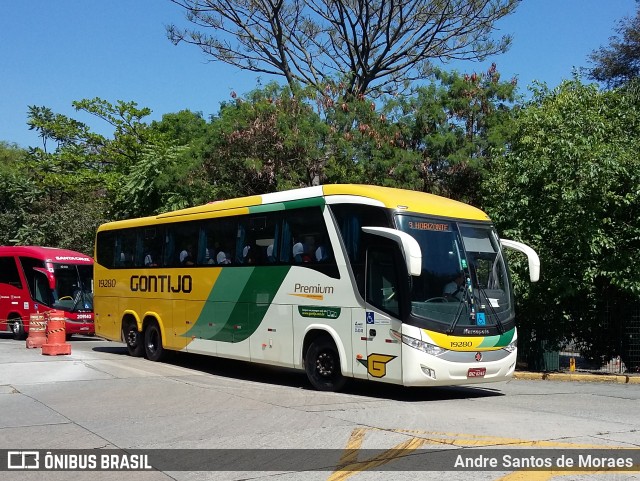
(133, 338)
(153, 342)
(17, 328)
(322, 364)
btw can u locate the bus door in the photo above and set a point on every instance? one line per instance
(384, 295)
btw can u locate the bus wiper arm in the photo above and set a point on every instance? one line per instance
(465, 301)
(493, 311)
(456, 319)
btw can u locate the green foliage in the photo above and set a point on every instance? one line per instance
(271, 140)
(569, 187)
(156, 183)
(619, 62)
(454, 126)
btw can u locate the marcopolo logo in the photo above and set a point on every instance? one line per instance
(163, 283)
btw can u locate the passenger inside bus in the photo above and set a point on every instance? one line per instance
(149, 260)
(270, 257)
(223, 258)
(322, 254)
(247, 254)
(453, 291)
(186, 257)
(305, 252)
(298, 250)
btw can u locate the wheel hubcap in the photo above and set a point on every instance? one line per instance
(132, 338)
(325, 365)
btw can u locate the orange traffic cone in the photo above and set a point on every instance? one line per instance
(37, 328)
(56, 340)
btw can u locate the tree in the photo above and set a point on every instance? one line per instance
(269, 140)
(568, 186)
(618, 63)
(373, 46)
(455, 124)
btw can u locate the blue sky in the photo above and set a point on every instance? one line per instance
(56, 51)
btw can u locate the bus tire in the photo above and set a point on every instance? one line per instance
(133, 339)
(153, 342)
(322, 364)
(17, 328)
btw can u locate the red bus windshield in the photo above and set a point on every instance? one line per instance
(72, 289)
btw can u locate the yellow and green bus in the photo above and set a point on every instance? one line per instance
(343, 281)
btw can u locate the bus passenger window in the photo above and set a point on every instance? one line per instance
(382, 279)
(185, 238)
(152, 246)
(9, 272)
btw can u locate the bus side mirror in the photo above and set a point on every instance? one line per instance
(50, 277)
(534, 260)
(408, 245)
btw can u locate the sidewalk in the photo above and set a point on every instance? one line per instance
(577, 376)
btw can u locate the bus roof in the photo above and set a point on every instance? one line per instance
(51, 254)
(397, 199)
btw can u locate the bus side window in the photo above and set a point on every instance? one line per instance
(168, 249)
(350, 219)
(106, 249)
(301, 229)
(36, 281)
(41, 290)
(9, 272)
(305, 241)
(151, 246)
(382, 286)
(129, 247)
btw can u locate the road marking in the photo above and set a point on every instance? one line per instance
(349, 465)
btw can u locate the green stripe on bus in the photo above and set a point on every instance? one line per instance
(238, 303)
(498, 341)
(291, 204)
(302, 203)
(259, 209)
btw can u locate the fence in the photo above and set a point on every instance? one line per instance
(619, 345)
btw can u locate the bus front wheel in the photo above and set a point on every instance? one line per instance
(322, 364)
(17, 328)
(133, 339)
(153, 342)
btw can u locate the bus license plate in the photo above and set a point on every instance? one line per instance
(476, 372)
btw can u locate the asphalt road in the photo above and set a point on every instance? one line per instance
(99, 398)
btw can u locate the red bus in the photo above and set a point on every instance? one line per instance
(38, 279)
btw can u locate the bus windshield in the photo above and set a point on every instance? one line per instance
(464, 279)
(74, 287)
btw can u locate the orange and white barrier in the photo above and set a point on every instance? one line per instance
(37, 331)
(56, 336)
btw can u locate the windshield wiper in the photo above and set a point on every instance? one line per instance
(465, 301)
(492, 310)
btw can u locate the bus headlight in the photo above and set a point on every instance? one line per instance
(418, 344)
(513, 345)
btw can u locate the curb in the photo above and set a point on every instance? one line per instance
(578, 377)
